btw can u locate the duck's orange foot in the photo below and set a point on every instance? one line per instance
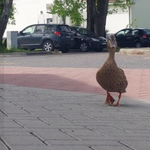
(117, 104)
(109, 100)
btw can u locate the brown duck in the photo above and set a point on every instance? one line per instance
(109, 76)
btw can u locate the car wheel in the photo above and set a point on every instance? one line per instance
(64, 50)
(84, 47)
(48, 46)
(138, 44)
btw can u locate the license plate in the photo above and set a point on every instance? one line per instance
(103, 43)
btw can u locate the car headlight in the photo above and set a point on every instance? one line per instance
(93, 39)
(102, 39)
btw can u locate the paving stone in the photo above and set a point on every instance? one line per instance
(33, 123)
(31, 148)
(79, 118)
(11, 124)
(111, 148)
(20, 140)
(80, 132)
(138, 145)
(71, 148)
(88, 143)
(15, 133)
(3, 146)
(56, 120)
(53, 134)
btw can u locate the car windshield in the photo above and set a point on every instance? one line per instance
(84, 31)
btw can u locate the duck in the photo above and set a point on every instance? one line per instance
(110, 77)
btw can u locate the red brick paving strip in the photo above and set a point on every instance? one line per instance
(74, 79)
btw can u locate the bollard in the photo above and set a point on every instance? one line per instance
(12, 39)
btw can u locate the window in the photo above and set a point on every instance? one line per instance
(124, 33)
(128, 32)
(136, 32)
(65, 28)
(39, 29)
(29, 30)
(48, 29)
(49, 20)
(82, 31)
(120, 33)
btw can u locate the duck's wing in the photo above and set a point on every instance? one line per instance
(123, 83)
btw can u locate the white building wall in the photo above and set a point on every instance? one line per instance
(141, 12)
(117, 21)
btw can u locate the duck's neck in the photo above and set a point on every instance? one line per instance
(111, 55)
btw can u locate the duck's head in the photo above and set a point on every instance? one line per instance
(112, 43)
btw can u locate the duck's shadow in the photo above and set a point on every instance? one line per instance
(133, 106)
(128, 105)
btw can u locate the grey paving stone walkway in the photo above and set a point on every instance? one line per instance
(43, 119)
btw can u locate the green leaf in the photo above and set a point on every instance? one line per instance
(69, 8)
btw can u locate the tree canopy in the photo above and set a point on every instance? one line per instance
(124, 5)
(69, 8)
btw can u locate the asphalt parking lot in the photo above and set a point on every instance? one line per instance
(75, 59)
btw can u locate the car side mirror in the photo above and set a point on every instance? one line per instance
(21, 32)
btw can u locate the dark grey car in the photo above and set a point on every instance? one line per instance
(137, 37)
(47, 37)
(86, 40)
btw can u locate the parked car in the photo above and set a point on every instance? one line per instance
(47, 37)
(86, 40)
(133, 37)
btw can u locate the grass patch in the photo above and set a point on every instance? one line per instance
(3, 50)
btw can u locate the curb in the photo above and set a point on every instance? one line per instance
(135, 51)
(38, 53)
(29, 53)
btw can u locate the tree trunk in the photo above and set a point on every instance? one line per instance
(101, 14)
(4, 17)
(91, 9)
